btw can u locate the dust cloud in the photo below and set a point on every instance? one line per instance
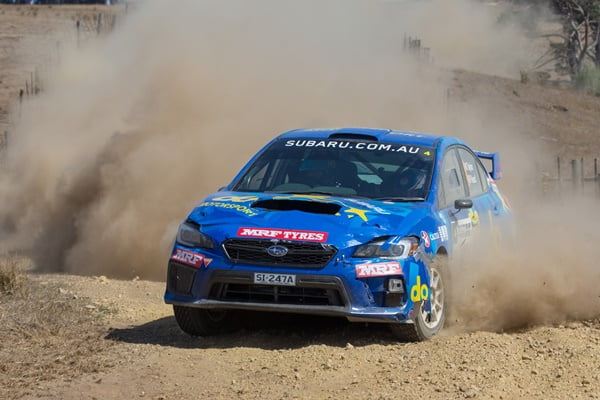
(546, 273)
(136, 128)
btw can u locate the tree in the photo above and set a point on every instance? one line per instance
(581, 35)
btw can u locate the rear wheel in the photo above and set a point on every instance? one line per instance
(428, 321)
(203, 322)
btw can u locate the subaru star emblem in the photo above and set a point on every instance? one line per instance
(277, 251)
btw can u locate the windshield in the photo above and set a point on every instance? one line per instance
(376, 170)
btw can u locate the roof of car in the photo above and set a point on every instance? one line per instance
(353, 133)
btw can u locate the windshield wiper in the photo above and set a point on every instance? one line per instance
(400, 199)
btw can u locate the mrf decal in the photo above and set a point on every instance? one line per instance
(283, 234)
(188, 257)
(369, 270)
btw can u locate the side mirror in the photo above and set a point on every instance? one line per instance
(462, 204)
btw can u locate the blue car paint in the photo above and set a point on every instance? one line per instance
(358, 221)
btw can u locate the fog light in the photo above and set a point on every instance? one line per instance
(395, 286)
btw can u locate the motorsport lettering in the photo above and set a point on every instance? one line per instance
(238, 207)
(353, 145)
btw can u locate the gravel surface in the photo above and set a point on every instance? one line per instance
(142, 353)
(94, 337)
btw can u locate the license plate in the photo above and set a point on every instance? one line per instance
(274, 279)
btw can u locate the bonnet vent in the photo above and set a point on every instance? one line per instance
(314, 207)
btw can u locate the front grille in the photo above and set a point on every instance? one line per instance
(300, 254)
(276, 294)
(315, 290)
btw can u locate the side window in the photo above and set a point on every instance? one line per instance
(476, 180)
(483, 175)
(452, 184)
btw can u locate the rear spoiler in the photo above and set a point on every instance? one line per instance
(495, 158)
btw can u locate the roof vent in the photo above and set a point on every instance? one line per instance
(353, 136)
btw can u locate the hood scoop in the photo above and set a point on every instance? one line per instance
(313, 207)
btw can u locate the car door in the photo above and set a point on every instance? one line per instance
(487, 200)
(478, 188)
(452, 187)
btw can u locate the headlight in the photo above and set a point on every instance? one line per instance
(189, 235)
(388, 247)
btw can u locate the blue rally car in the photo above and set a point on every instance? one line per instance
(351, 222)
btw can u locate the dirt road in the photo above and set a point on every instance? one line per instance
(66, 336)
(135, 350)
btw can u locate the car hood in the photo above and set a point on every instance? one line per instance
(344, 221)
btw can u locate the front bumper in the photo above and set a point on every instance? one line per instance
(316, 294)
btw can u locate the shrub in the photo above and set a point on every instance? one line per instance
(589, 79)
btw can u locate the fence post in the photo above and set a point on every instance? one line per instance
(576, 175)
(36, 81)
(78, 28)
(99, 27)
(21, 94)
(582, 176)
(426, 54)
(596, 177)
(58, 52)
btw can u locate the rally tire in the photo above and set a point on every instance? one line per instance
(203, 322)
(428, 324)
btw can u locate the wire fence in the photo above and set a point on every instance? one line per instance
(73, 33)
(413, 46)
(575, 176)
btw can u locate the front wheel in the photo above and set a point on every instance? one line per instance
(203, 322)
(428, 321)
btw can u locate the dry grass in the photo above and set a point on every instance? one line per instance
(46, 332)
(13, 280)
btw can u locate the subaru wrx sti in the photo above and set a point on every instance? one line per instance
(351, 222)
